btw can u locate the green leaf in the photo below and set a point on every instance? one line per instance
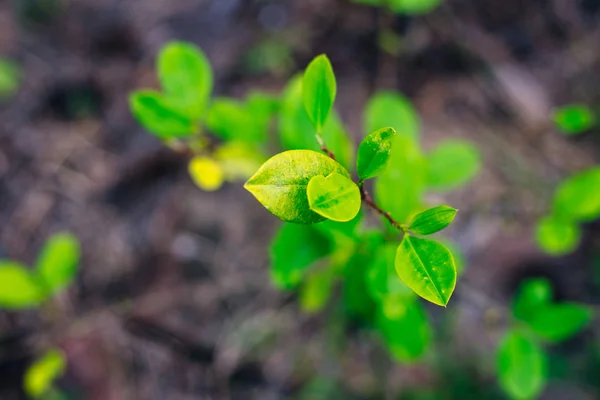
(405, 329)
(58, 260)
(293, 250)
(159, 115)
(392, 109)
(433, 220)
(531, 296)
(457, 254)
(400, 187)
(206, 173)
(382, 279)
(558, 322)
(40, 376)
(9, 78)
(238, 160)
(297, 133)
(556, 236)
(374, 153)
(186, 75)
(316, 290)
(452, 164)
(578, 197)
(521, 367)
(413, 6)
(335, 197)
(19, 288)
(319, 90)
(574, 119)
(280, 183)
(427, 267)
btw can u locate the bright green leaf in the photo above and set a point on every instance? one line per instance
(457, 254)
(159, 115)
(413, 6)
(374, 153)
(392, 109)
(58, 260)
(521, 366)
(574, 119)
(19, 288)
(9, 78)
(316, 290)
(578, 197)
(558, 322)
(433, 220)
(406, 331)
(427, 267)
(335, 197)
(319, 90)
(186, 75)
(230, 119)
(40, 376)
(556, 236)
(206, 173)
(531, 296)
(382, 279)
(293, 250)
(400, 187)
(452, 164)
(280, 183)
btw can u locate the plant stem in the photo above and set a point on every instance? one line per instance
(324, 147)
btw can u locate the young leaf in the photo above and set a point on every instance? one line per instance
(427, 267)
(392, 109)
(294, 249)
(19, 288)
(319, 90)
(531, 296)
(452, 164)
(186, 75)
(57, 263)
(521, 366)
(578, 197)
(433, 220)
(374, 153)
(9, 78)
(574, 119)
(280, 183)
(316, 290)
(160, 115)
(556, 236)
(41, 375)
(405, 329)
(206, 173)
(413, 6)
(335, 197)
(558, 322)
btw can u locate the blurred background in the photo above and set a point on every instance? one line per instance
(173, 299)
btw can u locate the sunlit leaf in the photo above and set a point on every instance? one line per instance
(58, 260)
(40, 376)
(521, 366)
(558, 322)
(574, 119)
(19, 288)
(451, 164)
(186, 76)
(578, 197)
(556, 236)
(394, 110)
(335, 197)
(280, 183)
(427, 267)
(374, 153)
(293, 250)
(319, 90)
(159, 115)
(531, 296)
(433, 220)
(9, 78)
(206, 173)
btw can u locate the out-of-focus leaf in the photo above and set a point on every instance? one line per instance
(433, 220)
(392, 109)
(19, 288)
(159, 115)
(413, 6)
(9, 78)
(316, 290)
(452, 164)
(521, 367)
(206, 173)
(374, 153)
(382, 279)
(531, 296)
(558, 322)
(578, 197)
(335, 197)
(556, 236)
(574, 119)
(319, 90)
(41, 375)
(58, 260)
(239, 160)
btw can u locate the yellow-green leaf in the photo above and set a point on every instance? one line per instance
(186, 76)
(374, 153)
(578, 197)
(427, 267)
(522, 367)
(206, 173)
(319, 90)
(160, 115)
(9, 78)
(556, 236)
(433, 220)
(452, 163)
(280, 183)
(239, 160)
(335, 197)
(316, 290)
(58, 260)
(19, 288)
(41, 375)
